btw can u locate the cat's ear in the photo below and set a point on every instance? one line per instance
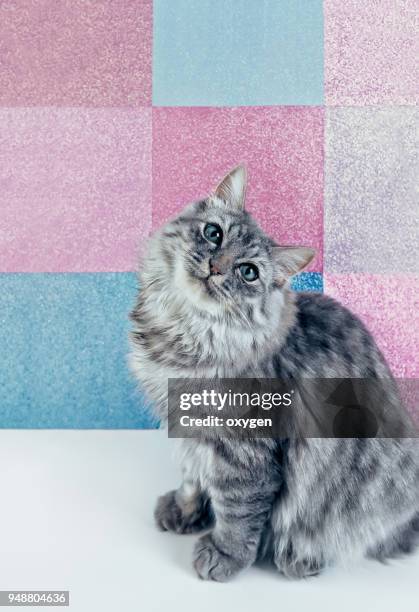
(290, 260)
(232, 189)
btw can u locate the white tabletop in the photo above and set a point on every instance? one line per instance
(76, 513)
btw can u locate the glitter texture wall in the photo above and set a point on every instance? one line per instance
(115, 113)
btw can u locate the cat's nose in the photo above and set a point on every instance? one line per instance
(214, 267)
(220, 264)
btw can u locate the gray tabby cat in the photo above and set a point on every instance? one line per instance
(214, 302)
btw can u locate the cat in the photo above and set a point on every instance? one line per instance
(214, 301)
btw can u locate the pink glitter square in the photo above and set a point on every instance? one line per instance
(75, 188)
(75, 52)
(282, 148)
(388, 305)
(371, 51)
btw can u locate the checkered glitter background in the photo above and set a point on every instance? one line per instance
(115, 113)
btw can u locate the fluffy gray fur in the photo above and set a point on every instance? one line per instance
(301, 503)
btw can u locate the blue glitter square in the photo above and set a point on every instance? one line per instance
(308, 281)
(237, 53)
(64, 345)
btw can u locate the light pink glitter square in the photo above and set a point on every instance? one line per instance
(388, 305)
(75, 188)
(371, 51)
(75, 52)
(282, 148)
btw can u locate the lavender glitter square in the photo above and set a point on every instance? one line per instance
(371, 221)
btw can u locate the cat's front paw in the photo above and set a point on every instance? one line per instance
(212, 564)
(173, 515)
(168, 515)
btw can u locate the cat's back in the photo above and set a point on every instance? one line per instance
(319, 314)
(328, 340)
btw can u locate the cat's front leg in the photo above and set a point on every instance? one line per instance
(241, 513)
(185, 510)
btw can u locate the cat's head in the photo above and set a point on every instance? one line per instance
(216, 256)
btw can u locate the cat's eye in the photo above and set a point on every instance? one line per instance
(249, 272)
(213, 233)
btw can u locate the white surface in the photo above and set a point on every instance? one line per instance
(76, 513)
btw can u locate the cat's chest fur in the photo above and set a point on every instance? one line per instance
(185, 345)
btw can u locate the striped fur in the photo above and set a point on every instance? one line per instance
(303, 504)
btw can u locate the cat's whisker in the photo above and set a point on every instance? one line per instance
(236, 308)
(151, 283)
